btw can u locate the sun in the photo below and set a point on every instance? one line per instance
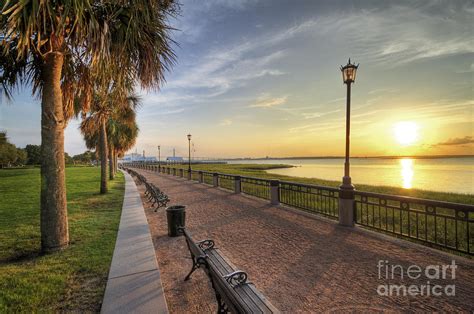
(406, 132)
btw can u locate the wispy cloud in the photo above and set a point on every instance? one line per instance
(469, 70)
(313, 115)
(458, 141)
(225, 122)
(401, 34)
(266, 101)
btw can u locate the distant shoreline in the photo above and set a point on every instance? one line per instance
(356, 157)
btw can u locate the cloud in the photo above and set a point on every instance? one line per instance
(470, 70)
(190, 26)
(398, 34)
(265, 101)
(458, 141)
(225, 122)
(312, 115)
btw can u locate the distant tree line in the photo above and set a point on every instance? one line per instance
(12, 156)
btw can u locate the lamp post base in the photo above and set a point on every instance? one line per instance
(346, 212)
(346, 202)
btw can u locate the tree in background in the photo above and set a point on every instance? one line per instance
(33, 154)
(3, 137)
(122, 134)
(86, 158)
(107, 110)
(68, 159)
(9, 154)
(21, 156)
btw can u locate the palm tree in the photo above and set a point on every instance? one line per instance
(106, 112)
(123, 139)
(45, 44)
(122, 131)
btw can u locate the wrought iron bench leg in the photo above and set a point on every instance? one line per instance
(221, 306)
(193, 269)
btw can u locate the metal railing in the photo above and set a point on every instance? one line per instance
(226, 181)
(207, 177)
(434, 223)
(442, 224)
(319, 199)
(256, 187)
(194, 175)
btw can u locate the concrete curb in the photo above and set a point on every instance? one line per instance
(134, 283)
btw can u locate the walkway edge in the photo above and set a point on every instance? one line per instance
(134, 284)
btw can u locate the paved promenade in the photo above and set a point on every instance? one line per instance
(134, 284)
(302, 263)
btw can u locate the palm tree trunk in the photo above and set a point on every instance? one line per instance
(54, 223)
(111, 162)
(116, 161)
(103, 158)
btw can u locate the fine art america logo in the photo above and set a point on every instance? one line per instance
(432, 280)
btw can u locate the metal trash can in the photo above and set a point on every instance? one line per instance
(176, 217)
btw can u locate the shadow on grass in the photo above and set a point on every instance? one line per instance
(22, 257)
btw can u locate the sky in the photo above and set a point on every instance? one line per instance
(259, 78)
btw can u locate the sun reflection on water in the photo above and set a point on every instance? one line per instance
(407, 172)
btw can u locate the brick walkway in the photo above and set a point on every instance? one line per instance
(300, 262)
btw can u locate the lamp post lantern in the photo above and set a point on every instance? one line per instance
(189, 155)
(348, 77)
(346, 189)
(159, 155)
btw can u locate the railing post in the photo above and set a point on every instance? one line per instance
(181, 172)
(174, 172)
(189, 174)
(237, 184)
(201, 179)
(275, 192)
(168, 170)
(215, 179)
(346, 207)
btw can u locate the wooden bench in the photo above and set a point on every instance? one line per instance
(156, 196)
(152, 193)
(234, 293)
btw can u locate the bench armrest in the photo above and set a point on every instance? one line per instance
(236, 278)
(206, 244)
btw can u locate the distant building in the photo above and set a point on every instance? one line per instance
(138, 158)
(175, 159)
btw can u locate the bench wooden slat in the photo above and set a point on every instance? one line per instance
(220, 263)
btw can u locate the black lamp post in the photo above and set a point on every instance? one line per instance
(159, 155)
(189, 156)
(348, 76)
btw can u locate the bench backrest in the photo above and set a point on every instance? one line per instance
(194, 248)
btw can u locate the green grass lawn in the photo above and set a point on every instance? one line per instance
(258, 171)
(73, 279)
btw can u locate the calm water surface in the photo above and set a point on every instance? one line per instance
(436, 174)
